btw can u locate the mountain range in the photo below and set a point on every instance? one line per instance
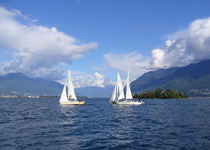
(193, 80)
(21, 85)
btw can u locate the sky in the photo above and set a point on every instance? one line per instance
(98, 38)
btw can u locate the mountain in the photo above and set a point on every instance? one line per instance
(193, 79)
(19, 84)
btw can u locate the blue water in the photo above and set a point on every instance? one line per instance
(41, 123)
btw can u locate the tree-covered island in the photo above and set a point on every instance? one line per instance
(160, 94)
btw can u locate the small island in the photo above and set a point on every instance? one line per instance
(160, 94)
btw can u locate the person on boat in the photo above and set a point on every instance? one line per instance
(139, 99)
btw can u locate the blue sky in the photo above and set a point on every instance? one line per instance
(109, 36)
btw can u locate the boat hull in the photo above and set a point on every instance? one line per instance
(73, 103)
(128, 102)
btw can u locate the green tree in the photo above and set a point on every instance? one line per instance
(158, 93)
(135, 96)
(164, 95)
(167, 94)
(152, 95)
(143, 95)
(170, 93)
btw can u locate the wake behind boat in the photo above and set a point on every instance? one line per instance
(71, 99)
(118, 96)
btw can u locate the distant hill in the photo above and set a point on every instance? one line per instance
(193, 80)
(19, 84)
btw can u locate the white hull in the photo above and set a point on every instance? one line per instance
(73, 103)
(127, 102)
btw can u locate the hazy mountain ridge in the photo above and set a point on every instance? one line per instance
(19, 84)
(193, 79)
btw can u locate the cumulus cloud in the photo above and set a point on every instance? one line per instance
(133, 62)
(96, 80)
(184, 47)
(37, 48)
(181, 48)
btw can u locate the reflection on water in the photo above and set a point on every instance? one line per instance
(158, 124)
(69, 116)
(68, 109)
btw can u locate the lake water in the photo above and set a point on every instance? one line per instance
(41, 123)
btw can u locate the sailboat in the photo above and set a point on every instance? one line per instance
(71, 98)
(118, 96)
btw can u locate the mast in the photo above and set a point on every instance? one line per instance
(128, 89)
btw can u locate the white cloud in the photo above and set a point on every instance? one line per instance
(185, 47)
(96, 80)
(158, 57)
(133, 62)
(37, 48)
(181, 49)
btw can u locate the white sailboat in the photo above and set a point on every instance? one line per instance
(71, 99)
(118, 94)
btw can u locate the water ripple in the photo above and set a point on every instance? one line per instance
(159, 124)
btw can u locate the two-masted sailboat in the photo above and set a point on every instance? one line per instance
(118, 96)
(71, 98)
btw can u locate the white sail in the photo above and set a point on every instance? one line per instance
(113, 97)
(128, 89)
(63, 95)
(120, 92)
(71, 93)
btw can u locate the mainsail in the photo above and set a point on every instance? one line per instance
(117, 93)
(128, 89)
(113, 97)
(71, 93)
(120, 88)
